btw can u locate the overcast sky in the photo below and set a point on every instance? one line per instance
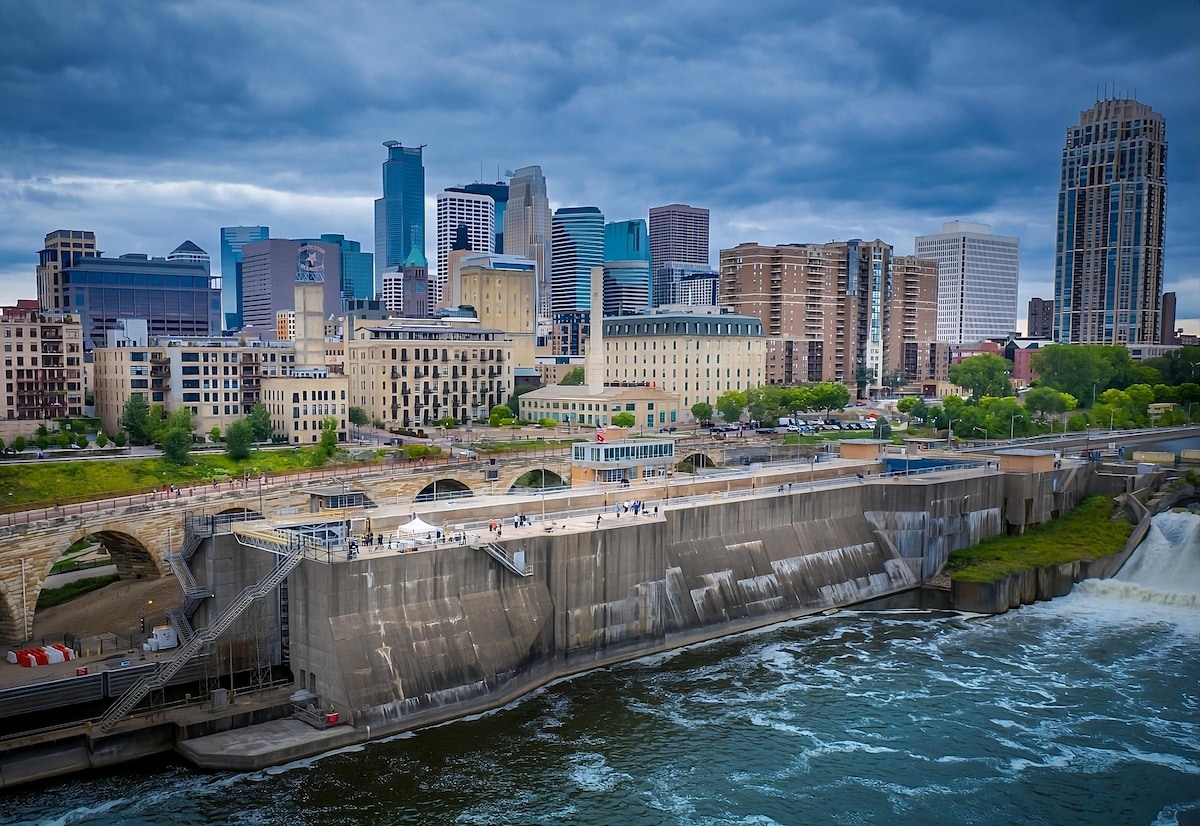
(792, 121)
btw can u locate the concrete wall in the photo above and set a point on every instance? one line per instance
(396, 642)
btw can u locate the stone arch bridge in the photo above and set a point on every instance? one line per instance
(138, 536)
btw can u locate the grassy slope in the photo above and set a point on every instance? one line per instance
(1088, 532)
(46, 482)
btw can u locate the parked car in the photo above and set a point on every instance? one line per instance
(668, 429)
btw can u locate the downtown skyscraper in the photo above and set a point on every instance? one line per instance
(578, 246)
(1108, 262)
(527, 222)
(232, 241)
(400, 213)
(460, 211)
(977, 281)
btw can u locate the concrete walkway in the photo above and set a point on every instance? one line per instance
(265, 744)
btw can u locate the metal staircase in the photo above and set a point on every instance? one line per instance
(500, 554)
(290, 550)
(196, 530)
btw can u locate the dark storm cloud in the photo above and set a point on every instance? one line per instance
(792, 121)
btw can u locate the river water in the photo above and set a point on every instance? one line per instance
(1084, 710)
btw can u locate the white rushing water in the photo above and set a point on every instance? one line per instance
(1165, 568)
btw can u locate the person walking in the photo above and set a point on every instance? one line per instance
(597, 520)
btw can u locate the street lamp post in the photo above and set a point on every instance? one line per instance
(950, 433)
(1012, 427)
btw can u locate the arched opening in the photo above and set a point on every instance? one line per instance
(694, 462)
(105, 587)
(443, 489)
(539, 479)
(236, 514)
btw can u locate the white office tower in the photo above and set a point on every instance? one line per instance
(461, 213)
(977, 281)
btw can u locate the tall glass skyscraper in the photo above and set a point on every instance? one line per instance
(578, 245)
(358, 269)
(627, 286)
(400, 213)
(232, 241)
(1108, 263)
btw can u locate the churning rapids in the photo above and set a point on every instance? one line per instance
(1082, 710)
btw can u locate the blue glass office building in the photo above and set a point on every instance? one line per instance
(626, 241)
(1108, 263)
(577, 244)
(358, 269)
(400, 213)
(175, 297)
(232, 241)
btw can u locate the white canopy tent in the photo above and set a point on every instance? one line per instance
(416, 526)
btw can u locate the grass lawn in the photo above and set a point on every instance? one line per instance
(49, 597)
(22, 484)
(1086, 533)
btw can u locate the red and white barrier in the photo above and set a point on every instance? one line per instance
(42, 655)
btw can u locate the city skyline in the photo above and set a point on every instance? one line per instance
(956, 114)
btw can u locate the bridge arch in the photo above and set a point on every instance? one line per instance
(444, 488)
(538, 478)
(698, 459)
(129, 553)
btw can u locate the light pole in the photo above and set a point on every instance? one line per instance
(950, 433)
(1012, 427)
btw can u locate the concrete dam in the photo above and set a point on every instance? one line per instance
(398, 640)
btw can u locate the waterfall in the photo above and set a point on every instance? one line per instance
(1165, 568)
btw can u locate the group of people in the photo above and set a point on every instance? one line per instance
(636, 506)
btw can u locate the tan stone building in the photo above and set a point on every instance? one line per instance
(694, 353)
(502, 290)
(414, 372)
(219, 379)
(300, 403)
(585, 408)
(43, 368)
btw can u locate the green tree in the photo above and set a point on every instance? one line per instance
(448, 422)
(121, 439)
(702, 411)
(984, 375)
(176, 442)
(329, 437)
(573, 378)
(828, 395)
(548, 424)
(19, 444)
(214, 435)
(135, 419)
(499, 414)
(767, 402)
(415, 450)
(623, 419)
(357, 416)
(101, 439)
(259, 419)
(730, 404)
(1084, 370)
(238, 438)
(514, 401)
(908, 404)
(863, 376)
(1044, 401)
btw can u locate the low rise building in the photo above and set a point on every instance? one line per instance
(217, 378)
(587, 407)
(43, 366)
(694, 353)
(414, 372)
